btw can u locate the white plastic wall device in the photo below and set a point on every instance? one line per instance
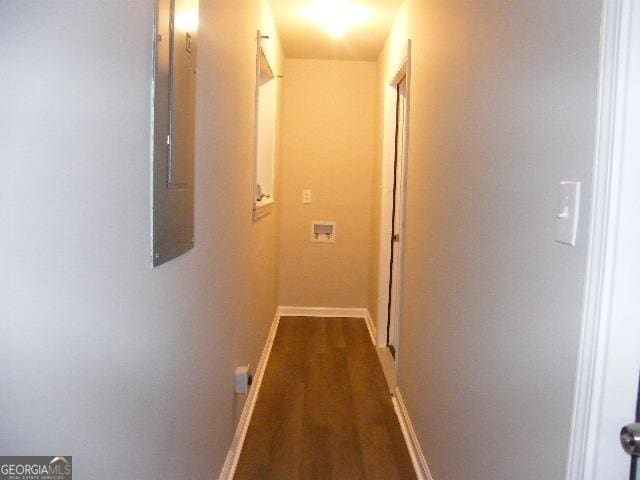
(243, 379)
(323, 231)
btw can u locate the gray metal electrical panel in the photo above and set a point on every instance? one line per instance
(174, 128)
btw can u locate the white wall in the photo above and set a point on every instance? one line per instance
(503, 108)
(102, 357)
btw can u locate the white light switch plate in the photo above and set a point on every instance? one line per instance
(306, 196)
(568, 213)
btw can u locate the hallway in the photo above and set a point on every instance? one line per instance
(324, 410)
(180, 177)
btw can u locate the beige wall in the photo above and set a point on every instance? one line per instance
(104, 357)
(327, 146)
(503, 102)
(375, 208)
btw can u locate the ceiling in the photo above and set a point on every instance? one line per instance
(303, 37)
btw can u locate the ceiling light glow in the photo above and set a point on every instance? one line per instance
(187, 20)
(336, 16)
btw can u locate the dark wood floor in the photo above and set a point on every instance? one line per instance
(324, 409)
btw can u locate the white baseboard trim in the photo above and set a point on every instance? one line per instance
(371, 327)
(388, 364)
(417, 457)
(231, 462)
(285, 311)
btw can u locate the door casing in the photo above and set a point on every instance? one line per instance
(609, 357)
(403, 71)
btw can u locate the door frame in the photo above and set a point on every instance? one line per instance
(616, 151)
(398, 204)
(402, 71)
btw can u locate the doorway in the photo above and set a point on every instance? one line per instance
(397, 216)
(606, 398)
(393, 200)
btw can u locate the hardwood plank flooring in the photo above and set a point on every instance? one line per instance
(324, 411)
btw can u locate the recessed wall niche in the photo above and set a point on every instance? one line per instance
(265, 131)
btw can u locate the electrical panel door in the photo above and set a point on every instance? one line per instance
(174, 128)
